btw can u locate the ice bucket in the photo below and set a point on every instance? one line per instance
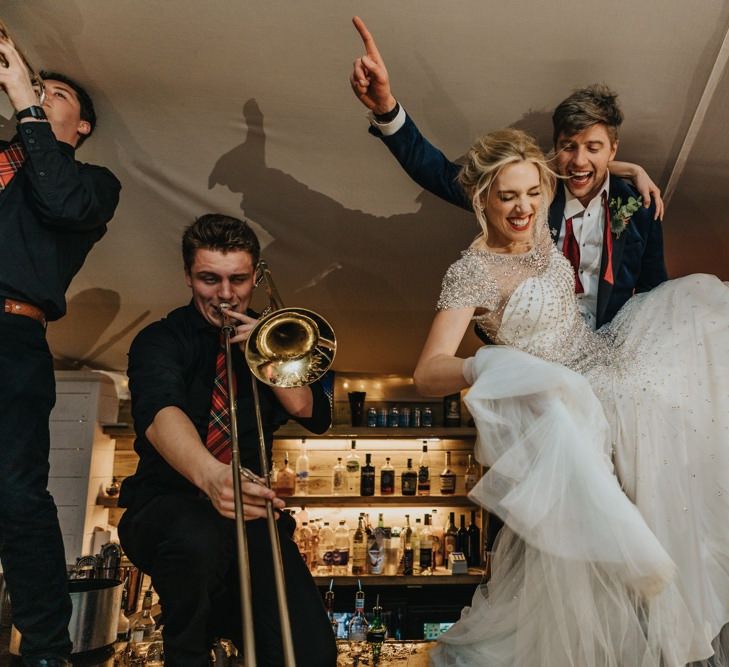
(94, 618)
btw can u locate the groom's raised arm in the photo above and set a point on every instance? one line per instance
(422, 161)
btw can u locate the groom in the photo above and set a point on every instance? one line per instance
(614, 243)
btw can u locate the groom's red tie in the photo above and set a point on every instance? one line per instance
(571, 250)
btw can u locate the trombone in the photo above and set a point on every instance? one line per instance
(288, 347)
(35, 78)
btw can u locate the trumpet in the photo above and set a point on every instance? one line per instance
(288, 347)
(35, 78)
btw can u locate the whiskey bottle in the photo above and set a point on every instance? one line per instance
(353, 470)
(387, 479)
(424, 473)
(286, 479)
(359, 549)
(367, 477)
(471, 476)
(450, 537)
(409, 480)
(447, 478)
(452, 410)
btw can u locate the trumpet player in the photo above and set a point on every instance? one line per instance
(178, 524)
(53, 209)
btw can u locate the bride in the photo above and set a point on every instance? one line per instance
(607, 451)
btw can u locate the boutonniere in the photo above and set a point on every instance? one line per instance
(620, 214)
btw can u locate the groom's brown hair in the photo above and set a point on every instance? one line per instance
(586, 107)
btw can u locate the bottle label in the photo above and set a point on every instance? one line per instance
(340, 557)
(352, 467)
(409, 484)
(426, 558)
(367, 484)
(338, 480)
(470, 482)
(447, 484)
(387, 481)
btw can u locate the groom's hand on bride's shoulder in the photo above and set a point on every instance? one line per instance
(369, 79)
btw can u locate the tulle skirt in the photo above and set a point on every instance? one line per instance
(614, 489)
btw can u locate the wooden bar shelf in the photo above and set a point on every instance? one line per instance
(440, 577)
(380, 501)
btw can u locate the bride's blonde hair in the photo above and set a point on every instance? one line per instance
(489, 155)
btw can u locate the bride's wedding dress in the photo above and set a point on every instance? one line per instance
(608, 456)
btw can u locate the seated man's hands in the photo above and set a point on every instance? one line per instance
(369, 79)
(219, 489)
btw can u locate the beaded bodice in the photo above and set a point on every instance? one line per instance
(526, 301)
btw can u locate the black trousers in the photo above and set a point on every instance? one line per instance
(31, 546)
(189, 551)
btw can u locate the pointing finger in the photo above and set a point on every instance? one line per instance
(367, 39)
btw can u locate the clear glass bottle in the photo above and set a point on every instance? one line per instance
(424, 472)
(326, 549)
(409, 480)
(339, 478)
(387, 479)
(417, 532)
(143, 628)
(340, 557)
(450, 538)
(367, 477)
(471, 476)
(286, 479)
(376, 548)
(447, 478)
(329, 604)
(302, 537)
(302, 470)
(353, 466)
(358, 625)
(426, 548)
(359, 549)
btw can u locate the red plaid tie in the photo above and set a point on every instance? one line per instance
(11, 160)
(571, 250)
(218, 440)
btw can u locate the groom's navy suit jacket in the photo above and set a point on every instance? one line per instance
(637, 256)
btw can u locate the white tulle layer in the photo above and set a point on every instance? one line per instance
(587, 573)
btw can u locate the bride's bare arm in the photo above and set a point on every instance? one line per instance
(439, 372)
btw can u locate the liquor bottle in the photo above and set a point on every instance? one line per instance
(377, 632)
(286, 479)
(450, 538)
(353, 470)
(409, 480)
(314, 544)
(424, 472)
(471, 476)
(462, 542)
(437, 530)
(406, 540)
(302, 537)
(387, 479)
(367, 477)
(376, 548)
(417, 532)
(358, 625)
(359, 549)
(447, 478)
(326, 549)
(123, 626)
(143, 628)
(302, 471)
(340, 557)
(452, 410)
(339, 478)
(329, 604)
(474, 542)
(426, 548)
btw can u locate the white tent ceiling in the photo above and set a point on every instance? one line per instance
(244, 107)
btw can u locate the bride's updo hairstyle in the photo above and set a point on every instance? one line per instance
(489, 155)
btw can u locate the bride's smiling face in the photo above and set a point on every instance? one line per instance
(512, 204)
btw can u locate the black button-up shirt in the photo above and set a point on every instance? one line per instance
(51, 214)
(172, 363)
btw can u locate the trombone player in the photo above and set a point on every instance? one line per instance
(53, 209)
(180, 501)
